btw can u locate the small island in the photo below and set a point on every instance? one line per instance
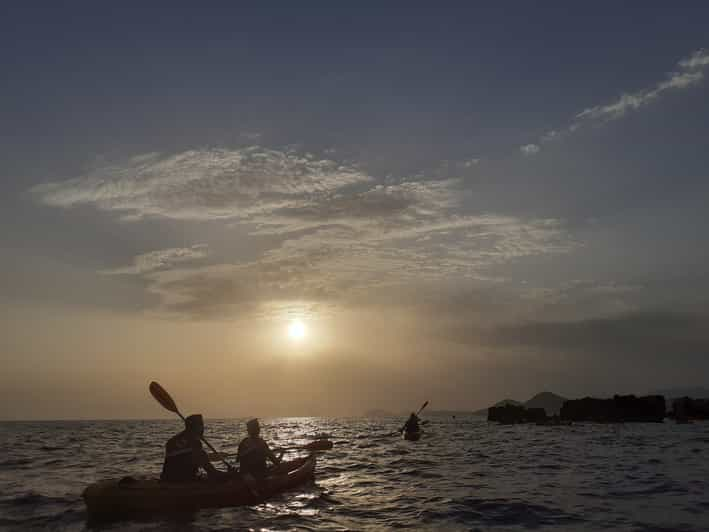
(547, 408)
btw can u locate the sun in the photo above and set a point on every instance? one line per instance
(296, 330)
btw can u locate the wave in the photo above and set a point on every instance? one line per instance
(14, 462)
(32, 498)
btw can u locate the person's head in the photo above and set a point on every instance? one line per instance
(194, 424)
(412, 416)
(253, 427)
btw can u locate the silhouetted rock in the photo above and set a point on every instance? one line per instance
(550, 402)
(686, 408)
(621, 408)
(504, 402)
(672, 394)
(511, 413)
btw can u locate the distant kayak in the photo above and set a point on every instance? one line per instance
(115, 499)
(412, 435)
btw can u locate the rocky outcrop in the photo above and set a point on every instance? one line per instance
(621, 408)
(686, 408)
(485, 411)
(550, 402)
(511, 413)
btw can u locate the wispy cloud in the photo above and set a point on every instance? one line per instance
(330, 232)
(203, 184)
(690, 71)
(530, 149)
(161, 259)
(335, 265)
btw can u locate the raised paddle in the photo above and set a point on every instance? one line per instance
(167, 402)
(317, 445)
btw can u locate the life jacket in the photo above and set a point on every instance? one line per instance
(252, 456)
(181, 458)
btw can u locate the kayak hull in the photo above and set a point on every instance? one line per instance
(412, 436)
(113, 499)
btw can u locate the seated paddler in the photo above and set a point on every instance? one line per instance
(412, 424)
(254, 452)
(184, 455)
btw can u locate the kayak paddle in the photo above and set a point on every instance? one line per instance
(167, 402)
(422, 407)
(317, 445)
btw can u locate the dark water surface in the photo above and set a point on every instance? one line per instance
(465, 474)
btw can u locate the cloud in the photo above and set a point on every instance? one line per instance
(689, 72)
(161, 259)
(529, 149)
(405, 206)
(698, 59)
(203, 184)
(336, 265)
(330, 232)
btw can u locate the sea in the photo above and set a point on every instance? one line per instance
(464, 474)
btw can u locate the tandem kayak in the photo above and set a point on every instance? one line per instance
(412, 435)
(113, 499)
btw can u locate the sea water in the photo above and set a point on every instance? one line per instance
(464, 474)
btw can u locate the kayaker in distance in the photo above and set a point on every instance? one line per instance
(254, 451)
(412, 424)
(184, 455)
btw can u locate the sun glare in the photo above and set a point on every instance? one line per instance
(296, 330)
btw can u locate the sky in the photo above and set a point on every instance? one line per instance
(457, 203)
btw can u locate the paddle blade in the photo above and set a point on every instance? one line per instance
(318, 445)
(422, 407)
(162, 397)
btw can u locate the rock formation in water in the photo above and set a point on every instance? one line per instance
(686, 408)
(620, 408)
(511, 413)
(550, 402)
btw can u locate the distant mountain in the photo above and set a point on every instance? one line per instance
(483, 412)
(548, 401)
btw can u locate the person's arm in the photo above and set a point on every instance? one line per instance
(208, 467)
(202, 460)
(271, 455)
